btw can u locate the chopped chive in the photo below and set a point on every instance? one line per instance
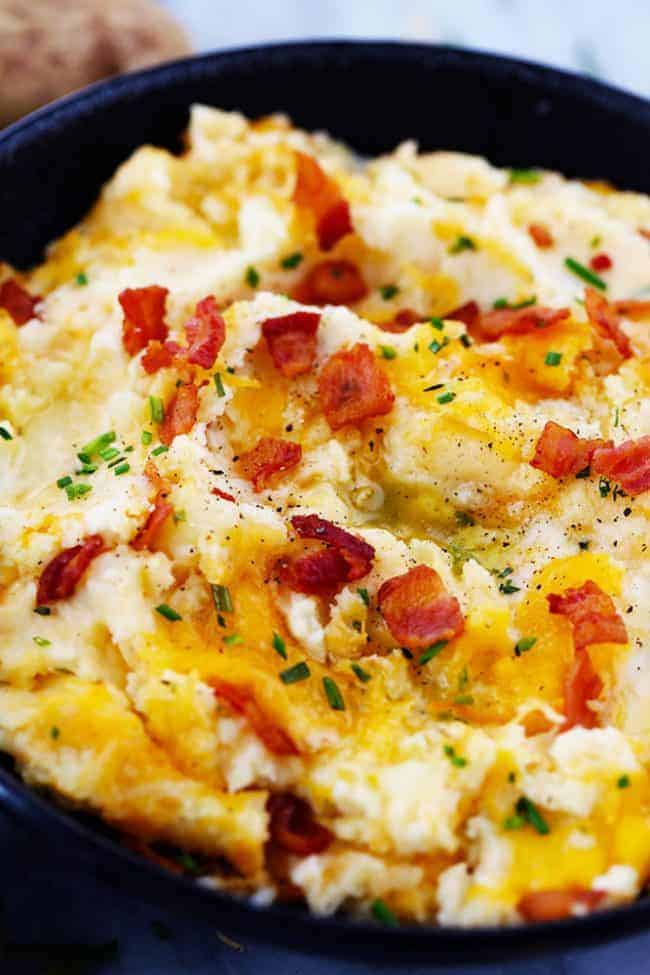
(96, 446)
(505, 572)
(363, 596)
(333, 694)
(436, 346)
(122, 469)
(232, 638)
(464, 519)
(462, 243)
(430, 389)
(437, 323)
(553, 359)
(43, 610)
(252, 277)
(527, 809)
(187, 862)
(54, 732)
(291, 261)
(596, 241)
(604, 487)
(359, 672)
(446, 398)
(585, 273)
(87, 469)
(156, 409)
(77, 491)
(524, 176)
(623, 782)
(64, 481)
(465, 340)
(81, 278)
(109, 453)
(512, 776)
(40, 641)
(458, 760)
(221, 598)
(169, 613)
(162, 449)
(296, 673)
(432, 652)
(389, 291)
(179, 515)
(617, 416)
(4, 433)
(462, 699)
(508, 588)
(279, 645)
(513, 822)
(515, 305)
(584, 545)
(388, 352)
(526, 643)
(218, 384)
(382, 913)
(146, 437)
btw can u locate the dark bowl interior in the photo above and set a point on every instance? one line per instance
(372, 95)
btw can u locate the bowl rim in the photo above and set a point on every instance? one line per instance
(344, 931)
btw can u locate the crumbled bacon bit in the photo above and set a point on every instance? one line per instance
(633, 308)
(541, 235)
(158, 355)
(628, 464)
(206, 333)
(581, 685)
(601, 262)
(592, 614)
(180, 413)
(554, 905)
(468, 314)
(269, 457)
(17, 301)
(357, 553)
(605, 319)
(315, 191)
(242, 700)
(320, 573)
(218, 493)
(293, 826)
(331, 283)
(560, 453)
(402, 321)
(162, 509)
(352, 387)
(60, 577)
(418, 609)
(644, 233)
(492, 325)
(144, 317)
(292, 341)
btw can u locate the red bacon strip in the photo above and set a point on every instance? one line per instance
(469, 314)
(242, 700)
(269, 457)
(144, 317)
(292, 341)
(206, 333)
(418, 610)
(560, 453)
(592, 615)
(633, 308)
(158, 355)
(628, 464)
(541, 235)
(315, 191)
(581, 685)
(331, 283)
(180, 413)
(357, 553)
(492, 325)
(402, 321)
(60, 577)
(605, 319)
(554, 905)
(162, 509)
(320, 573)
(218, 493)
(293, 826)
(17, 301)
(601, 262)
(352, 386)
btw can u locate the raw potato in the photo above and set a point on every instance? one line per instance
(51, 47)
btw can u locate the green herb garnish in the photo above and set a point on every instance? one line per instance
(432, 652)
(457, 760)
(221, 598)
(462, 243)
(363, 596)
(362, 674)
(388, 352)
(82, 278)
(146, 437)
(524, 176)
(528, 811)
(4, 434)
(388, 291)
(156, 409)
(218, 384)
(623, 782)
(333, 694)
(122, 469)
(296, 673)
(585, 273)
(279, 645)
(161, 449)
(446, 398)
(40, 641)
(291, 261)
(64, 481)
(169, 613)
(75, 491)
(553, 359)
(382, 913)
(526, 643)
(43, 610)
(252, 277)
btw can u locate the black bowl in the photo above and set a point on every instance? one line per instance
(372, 95)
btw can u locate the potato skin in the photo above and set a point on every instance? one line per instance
(51, 47)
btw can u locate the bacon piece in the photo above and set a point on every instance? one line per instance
(592, 614)
(315, 191)
(242, 700)
(601, 262)
(418, 609)
(218, 493)
(293, 826)
(180, 413)
(402, 321)
(162, 509)
(206, 333)
(628, 464)
(358, 554)
(541, 235)
(644, 233)
(554, 905)
(292, 341)
(270, 456)
(352, 386)
(144, 316)
(581, 685)
(633, 308)
(158, 355)
(320, 573)
(605, 319)
(492, 325)
(469, 314)
(60, 577)
(17, 301)
(331, 283)
(560, 453)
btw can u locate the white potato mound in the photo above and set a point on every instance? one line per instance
(388, 717)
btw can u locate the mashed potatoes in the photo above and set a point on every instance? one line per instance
(323, 525)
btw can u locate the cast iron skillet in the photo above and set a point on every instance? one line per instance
(372, 95)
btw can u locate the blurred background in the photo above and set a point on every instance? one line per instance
(51, 47)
